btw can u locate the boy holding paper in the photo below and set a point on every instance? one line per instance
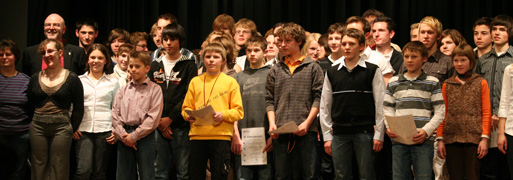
(220, 91)
(420, 95)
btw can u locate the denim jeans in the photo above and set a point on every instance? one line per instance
(420, 156)
(344, 146)
(178, 149)
(296, 157)
(261, 172)
(141, 161)
(93, 154)
(20, 144)
(218, 151)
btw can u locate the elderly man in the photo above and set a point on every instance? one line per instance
(73, 58)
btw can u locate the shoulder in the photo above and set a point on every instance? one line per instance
(432, 79)
(74, 48)
(23, 76)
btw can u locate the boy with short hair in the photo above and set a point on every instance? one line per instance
(172, 72)
(243, 30)
(437, 64)
(86, 32)
(334, 38)
(351, 105)
(139, 40)
(121, 68)
(293, 94)
(225, 23)
(135, 115)
(419, 94)
(482, 36)
(220, 91)
(414, 32)
(491, 66)
(117, 37)
(252, 85)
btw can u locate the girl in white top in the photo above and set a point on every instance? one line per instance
(94, 136)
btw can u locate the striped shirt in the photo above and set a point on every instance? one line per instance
(419, 97)
(13, 104)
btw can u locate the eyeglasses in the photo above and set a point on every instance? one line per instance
(242, 32)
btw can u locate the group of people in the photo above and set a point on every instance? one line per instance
(337, 87)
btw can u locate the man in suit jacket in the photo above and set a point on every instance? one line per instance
(74, 57)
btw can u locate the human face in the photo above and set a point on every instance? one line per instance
(289, 46)
(413, 60)
(52, 56)
(461, 64)
(255, 54)
(161, 23)
(172, 45)
(314, 51)
(241, 35)
(225, 29)
(123, 61)
(54, 27)
(500, 35)
(272, 49)
(351, 48)
(414, 34)
(381, 34)
(428, 36)
(137, 70)
(322, 53)
(96, 62)
(448, 45)
(334, 40)
(86, 35)
(482, 36)
(7, 58)
(156, 40)
(114, 46)
(141, 46)
(355, 25)
(213, 62)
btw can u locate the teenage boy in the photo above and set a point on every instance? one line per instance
(370, 15)
(220, 91)
(162, 21)
(334, 38)
(252, 88)
(414, 32)
(140, 41)
(135, 115)
(482, 36)
(86, 32)
(121, 69)
(225, 23)
(383, 30)
(293, 94)
(172, 72)
(407, 94)
(491, 66)
(438, 64)
(243, 29)
(357, 88)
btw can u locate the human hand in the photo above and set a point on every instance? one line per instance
(441, 149)
(77, 135)
(218, 117)
(111, 139)
(327, 147)
(273, 127)
(502, 143)
(377, 145)
(420, 137)
(164, 122)
(191, 119)
(482, 148)
(167, 133)
(236, 146)
(391, 134)
(127, 140)
(302, 129)
(495, 122)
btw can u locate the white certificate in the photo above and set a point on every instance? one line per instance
(253, 142)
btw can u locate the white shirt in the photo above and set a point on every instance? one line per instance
(378, 92)
(241, 61)
(168, 67)
(379, 59)
(98, 100)
(506, 103)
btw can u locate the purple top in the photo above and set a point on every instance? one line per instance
(14, 117)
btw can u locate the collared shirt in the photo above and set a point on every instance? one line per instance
(378, 92)
(378, 59)
(98, 97)
(438, 65)
(137, 105)
(293, 64)
(506, 107)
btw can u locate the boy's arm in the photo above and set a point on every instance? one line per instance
(269, 101)
(235, 112)
(325, 112)
(192, 72)
(117, 125)
(152, 117)
(317, 83)
(389, 103)
(437, 102)
(378, 91)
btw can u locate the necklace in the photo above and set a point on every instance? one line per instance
(204, 92)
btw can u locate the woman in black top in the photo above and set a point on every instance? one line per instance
(51, 93)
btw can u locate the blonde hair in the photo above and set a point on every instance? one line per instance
(312, 37)
(433, 23)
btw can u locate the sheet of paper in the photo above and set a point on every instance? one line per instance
(404, 127)
(289, 127)
(253, 142)
(203, 116)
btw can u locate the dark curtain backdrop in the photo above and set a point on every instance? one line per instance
(196, 16)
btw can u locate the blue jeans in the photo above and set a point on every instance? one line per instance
(343, 147)
(20, 144)
(296, 157)
(179, 148)
(262, 172)
(93, 154)
(130, 162)
(420, 156)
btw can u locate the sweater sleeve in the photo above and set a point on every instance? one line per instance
(486, 109)
(235, 112)
(269, 87)
(437, 102)
(389, 102)
(189, 101)
(440, 130)
(175, 113)
(77, 99)
(318, 81)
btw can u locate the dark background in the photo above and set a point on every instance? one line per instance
(22, 20)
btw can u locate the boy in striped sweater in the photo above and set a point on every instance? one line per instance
(420, 95)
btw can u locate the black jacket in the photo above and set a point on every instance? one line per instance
(74, 60)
